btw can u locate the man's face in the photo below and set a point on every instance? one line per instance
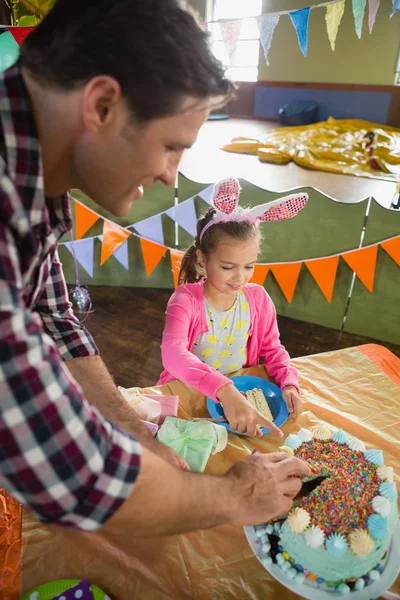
(111, 163)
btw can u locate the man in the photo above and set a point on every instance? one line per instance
(105, 98)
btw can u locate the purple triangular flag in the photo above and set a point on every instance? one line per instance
(185, 215)
(266, 25)
(207, 194)
(83, 253)
(299, 19)
(122, 255)
(151, 229)
(82, 591)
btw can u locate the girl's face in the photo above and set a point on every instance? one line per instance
(231, 265)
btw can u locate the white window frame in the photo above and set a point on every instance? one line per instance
(241, 71)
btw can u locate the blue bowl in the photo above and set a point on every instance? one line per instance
(273, 394)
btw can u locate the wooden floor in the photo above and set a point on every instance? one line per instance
(127, 325)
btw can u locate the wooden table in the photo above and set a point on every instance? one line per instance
(357, 389)
(205, 162)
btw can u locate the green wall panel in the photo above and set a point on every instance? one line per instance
(377, 315)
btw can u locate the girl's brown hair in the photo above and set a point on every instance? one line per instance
(191, 271)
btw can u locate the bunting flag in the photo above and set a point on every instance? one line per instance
(207, 194)
(83, 253)
(20, 33)
(259, 275)
(323, 269)
(324, 273)
(373, 6)
(152, 254)
(300, 19)
(358, 12)
(113, 237)
(84, 219)
(333, 16)
(185, 215)
(230, 33)
(176, 261)
(392, 247)
(151, 229)
(266, 26)
(363, 262)
(395, 7)
(286, 275)
(121, 254)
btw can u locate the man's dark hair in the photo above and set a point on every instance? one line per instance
(154, 48)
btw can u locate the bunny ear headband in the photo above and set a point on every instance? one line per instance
(226, 200)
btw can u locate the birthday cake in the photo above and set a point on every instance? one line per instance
(339, 531)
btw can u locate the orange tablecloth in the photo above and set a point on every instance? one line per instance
(357, 389)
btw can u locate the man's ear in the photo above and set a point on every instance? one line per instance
(101, 97)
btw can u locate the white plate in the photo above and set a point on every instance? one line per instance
(374, 590)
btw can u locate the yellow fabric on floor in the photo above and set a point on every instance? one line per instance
(345, 389)
(346, 146)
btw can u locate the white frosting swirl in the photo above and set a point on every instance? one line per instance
(314, 537)
(287, 450)
(321, 432)
(381, 505)
(356, 444)
(385, 473)
(298, 520)
(361, 542)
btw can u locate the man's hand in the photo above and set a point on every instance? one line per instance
(265, 485)
(241, 415)
(292, 399)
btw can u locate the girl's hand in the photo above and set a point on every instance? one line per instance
(241, 415)
(292, 399)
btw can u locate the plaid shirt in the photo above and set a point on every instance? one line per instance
(58, 455)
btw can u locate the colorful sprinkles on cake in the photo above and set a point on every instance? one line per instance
(342, 502)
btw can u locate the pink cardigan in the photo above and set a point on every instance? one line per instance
(186, 319)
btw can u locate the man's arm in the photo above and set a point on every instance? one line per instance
(99, 388)
(81, 356)
(58, 455)
(167, 500)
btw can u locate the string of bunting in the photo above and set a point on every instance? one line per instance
(114, 241)
(230, 29)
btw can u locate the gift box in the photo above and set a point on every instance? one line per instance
(153, 427)
(194, 441)
(152, 408)
(169, 406)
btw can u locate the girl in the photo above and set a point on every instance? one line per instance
(217, 322)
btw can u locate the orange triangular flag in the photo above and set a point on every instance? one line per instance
(363, 263)
(259, 275)
(113, 237)
(324, 272)
(287, 274)
(152, 254)
(392, 247)
(176, 261)
(84, 219)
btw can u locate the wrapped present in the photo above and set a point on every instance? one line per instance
(153, 427)
(169, 406)
(193, 441)
(152, 408)
(146, 408)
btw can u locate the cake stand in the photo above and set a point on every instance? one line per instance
(370, 592)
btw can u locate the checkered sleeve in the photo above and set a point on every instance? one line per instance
(71, 337)
(58, 455)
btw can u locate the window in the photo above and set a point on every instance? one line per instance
(242, 64)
